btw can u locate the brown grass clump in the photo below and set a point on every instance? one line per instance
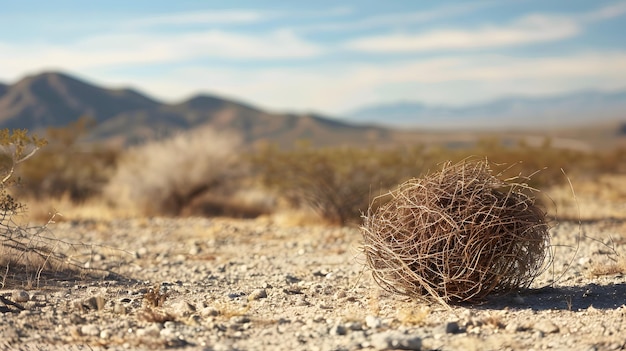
(456, 236)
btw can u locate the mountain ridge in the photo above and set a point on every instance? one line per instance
(125, 117)
(509, 111)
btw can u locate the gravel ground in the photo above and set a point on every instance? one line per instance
(217, 284)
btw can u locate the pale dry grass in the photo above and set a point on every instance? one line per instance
(592, 199)
(295, 218)
(64, 209)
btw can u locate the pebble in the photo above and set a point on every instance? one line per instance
(546, 327)
(452, 328)
(151, 331)
(257, 294)
(183, 308)
(90, 330)
(393, 340)
(20, 296)
(513, 327)
(339, 329)
(372, 322)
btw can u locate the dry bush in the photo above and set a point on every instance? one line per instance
(66, 167)
(29, 256)
(338, 183)
(164, 177)
(456, 235)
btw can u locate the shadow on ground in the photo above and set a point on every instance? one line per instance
(574, 298)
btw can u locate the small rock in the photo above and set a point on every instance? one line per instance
(141, 252)
(394, 340)
(292, 279)
(20, 296)
(94, 303)
(151, 331)
(210, 312)
(183, 308)
(452, 328)
(354, 326)
(339, 329)
(257, 294)
(90, 330)
(234, 295)
(513, 327)
(240, 320)
(546, 327)
(372, 322)
(340, 294)
(105, 334)
(195, 250)
(120, 309)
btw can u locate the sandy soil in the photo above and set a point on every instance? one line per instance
(216, 284)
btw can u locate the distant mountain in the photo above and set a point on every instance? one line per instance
(525, 112)
(125, 117)
(3, 89)
(55, 99)
(253, 124)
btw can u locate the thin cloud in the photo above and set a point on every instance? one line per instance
(229, 17)
(339, 88)
(530, 29)
(397, 19)
(128, 50)
(607, 12)
(203, 17)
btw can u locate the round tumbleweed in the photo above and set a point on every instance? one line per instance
(456, 235)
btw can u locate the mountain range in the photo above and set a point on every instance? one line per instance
(126, 117)
(580, 108)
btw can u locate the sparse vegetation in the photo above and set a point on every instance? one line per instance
(337, 182)
(165, 177)
(213, 173)
(67, 167)
(27, 254)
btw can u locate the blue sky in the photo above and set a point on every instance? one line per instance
(323, 56)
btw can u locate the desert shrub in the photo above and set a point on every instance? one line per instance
(68, 167)
(27, 254)
(164, 177)
(336, 182)
(456, 235)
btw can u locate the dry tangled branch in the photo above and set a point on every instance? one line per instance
(31, 256)
(28, 255)
(457, 236)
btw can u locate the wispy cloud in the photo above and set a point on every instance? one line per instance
(607, 12)
(128, 50)
(231, 17)
(530, 29)
(334, 88)
(534, 28)
(398, 19)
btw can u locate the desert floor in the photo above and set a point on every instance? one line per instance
(223, 284)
